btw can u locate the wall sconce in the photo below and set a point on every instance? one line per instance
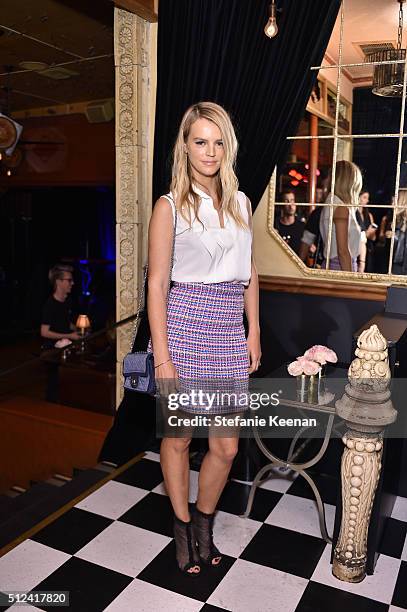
(271, 29)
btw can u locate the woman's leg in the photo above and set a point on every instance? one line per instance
(214, 471)
(174, 459)
(212, 479)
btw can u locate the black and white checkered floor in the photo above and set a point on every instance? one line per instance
(114, 551)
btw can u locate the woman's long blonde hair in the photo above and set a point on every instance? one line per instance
(348, 182)
(186, 198)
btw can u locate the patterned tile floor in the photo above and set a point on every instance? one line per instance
(114, 551)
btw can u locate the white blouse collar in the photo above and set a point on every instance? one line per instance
(200, 192)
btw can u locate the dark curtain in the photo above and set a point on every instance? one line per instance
(216, 50)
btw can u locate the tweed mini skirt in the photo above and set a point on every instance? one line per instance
(207, 344)
(334, 264)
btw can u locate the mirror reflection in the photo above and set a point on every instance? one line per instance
(307, 175)
(363, 195)
(361, 233)
(353, 223)
(399, 259)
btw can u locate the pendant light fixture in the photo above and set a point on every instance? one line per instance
(388, 78)
(271, 29)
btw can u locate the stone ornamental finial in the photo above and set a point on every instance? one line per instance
(370, 368)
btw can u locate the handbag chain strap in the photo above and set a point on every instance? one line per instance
(141, 299)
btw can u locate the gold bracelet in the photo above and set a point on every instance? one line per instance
(160, 364)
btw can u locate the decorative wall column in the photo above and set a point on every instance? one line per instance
(367, 409)
(134, 49)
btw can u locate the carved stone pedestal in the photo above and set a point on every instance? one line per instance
(367, 409)
(360, 472)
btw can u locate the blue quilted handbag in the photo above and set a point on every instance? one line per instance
(138, 372)
(138, 367)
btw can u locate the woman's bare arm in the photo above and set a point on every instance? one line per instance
(362, 256)
(382, 230)
(341, 221)
(371, 231)
(160, 238)
(251, 301)
(251, 304)
(47, 333)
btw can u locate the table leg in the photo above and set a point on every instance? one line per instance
(296, 467)
(360, 472)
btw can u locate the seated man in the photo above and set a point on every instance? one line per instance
(56, 315)
(56, 321)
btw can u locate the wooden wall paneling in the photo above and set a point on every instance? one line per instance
(313, 286)
(40, 439)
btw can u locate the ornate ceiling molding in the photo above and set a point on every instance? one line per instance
(145, 9)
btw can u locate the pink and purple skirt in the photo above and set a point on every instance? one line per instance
(207, 343)
(334, 264)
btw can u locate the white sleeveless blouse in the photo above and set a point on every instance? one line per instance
(212, 254)
(355, 235)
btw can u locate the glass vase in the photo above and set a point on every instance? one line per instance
(308, 387)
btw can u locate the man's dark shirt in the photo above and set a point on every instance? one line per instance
(57, 315)
(312, 224)
(292, 234)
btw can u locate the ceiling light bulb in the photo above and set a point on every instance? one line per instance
(271, 28)
(1, 156)
(8, 172)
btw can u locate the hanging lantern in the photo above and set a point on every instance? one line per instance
(388, 78)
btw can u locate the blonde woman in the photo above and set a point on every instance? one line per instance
(348, 242)
(200, 335)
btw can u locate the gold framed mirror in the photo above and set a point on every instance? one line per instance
(332, 220)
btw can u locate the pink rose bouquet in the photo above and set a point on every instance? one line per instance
(321, 354)
(295, 368)
(312, 361)
(302, 365)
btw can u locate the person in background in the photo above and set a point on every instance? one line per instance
(382, 247)
(367, 224)
(311, 242)
(56, 322)
(319, 195)
(400, 239)
(347, 237)
(287, 224)
(383, 243)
